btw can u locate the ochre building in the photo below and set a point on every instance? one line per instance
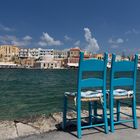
(8, 52)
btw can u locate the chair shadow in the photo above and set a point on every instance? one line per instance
(71, 128)
(124, 126)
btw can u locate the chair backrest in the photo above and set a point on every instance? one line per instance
(92, 65)
(123, 66)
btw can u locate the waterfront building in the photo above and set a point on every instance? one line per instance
(139, 58)
(98, 56)
(39, 53)
(8, 52)
(34, 53)
(118, 58)
(48, 65)
(139, 61)
(27, 62)
(74, 52)
(60, 53)
(23, 53)
(49, 53)
(62, 61)
(73, 58)
(8, 65)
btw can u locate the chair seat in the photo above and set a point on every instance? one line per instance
(86, 95)
(122, 93)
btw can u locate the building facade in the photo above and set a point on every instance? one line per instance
(23, 53)
(73, 58)
(48, 65)
(139, 61)
(60, 53)
(98, 56)
(8, 52)
(39, 53)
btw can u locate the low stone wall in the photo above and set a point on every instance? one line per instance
(40, 124)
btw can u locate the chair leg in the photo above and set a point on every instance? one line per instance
(95, 110)
(90, 112)
(135, 123)
(79, 119)
(111, 114)
(105, 117)
(118, 110)
(64, 113)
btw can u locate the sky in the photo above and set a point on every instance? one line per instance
(96, 26)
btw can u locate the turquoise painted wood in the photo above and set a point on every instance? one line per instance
(89, 65)
(91, 82)
(128, 66)
(94, 66)
(123, 66)
(123, 82)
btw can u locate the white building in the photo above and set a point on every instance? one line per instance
(34, 53)
(48, 65)
(118, 58)
(60, 53)
(41, 53)
(23, 53)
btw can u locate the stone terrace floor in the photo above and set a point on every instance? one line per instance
(124, 132)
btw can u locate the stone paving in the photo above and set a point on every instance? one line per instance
(41, 126)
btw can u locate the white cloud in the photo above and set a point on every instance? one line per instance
(47, 40)
(132, 31)
(13, 40)
(92, 45)
(67, 38)
(27, 38)
(115, 43)
(77, 43)
(5, 28)
(119, 40)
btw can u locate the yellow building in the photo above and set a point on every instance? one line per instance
(8, 52)
(98, 56)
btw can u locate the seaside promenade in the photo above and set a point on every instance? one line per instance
(122, 132)
(49, 128)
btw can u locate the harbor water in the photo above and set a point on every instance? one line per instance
(27, 92)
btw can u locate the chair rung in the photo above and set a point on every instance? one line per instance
(97, 116)
(126, 114)
(90, 126)
(123, 121)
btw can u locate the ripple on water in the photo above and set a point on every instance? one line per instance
(29, 92)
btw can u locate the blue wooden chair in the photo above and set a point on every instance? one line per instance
(127, 85)
(92, 65)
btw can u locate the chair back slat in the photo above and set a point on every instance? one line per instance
(124, 66)
(92, 65)
(91, 82)
(123, 82)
